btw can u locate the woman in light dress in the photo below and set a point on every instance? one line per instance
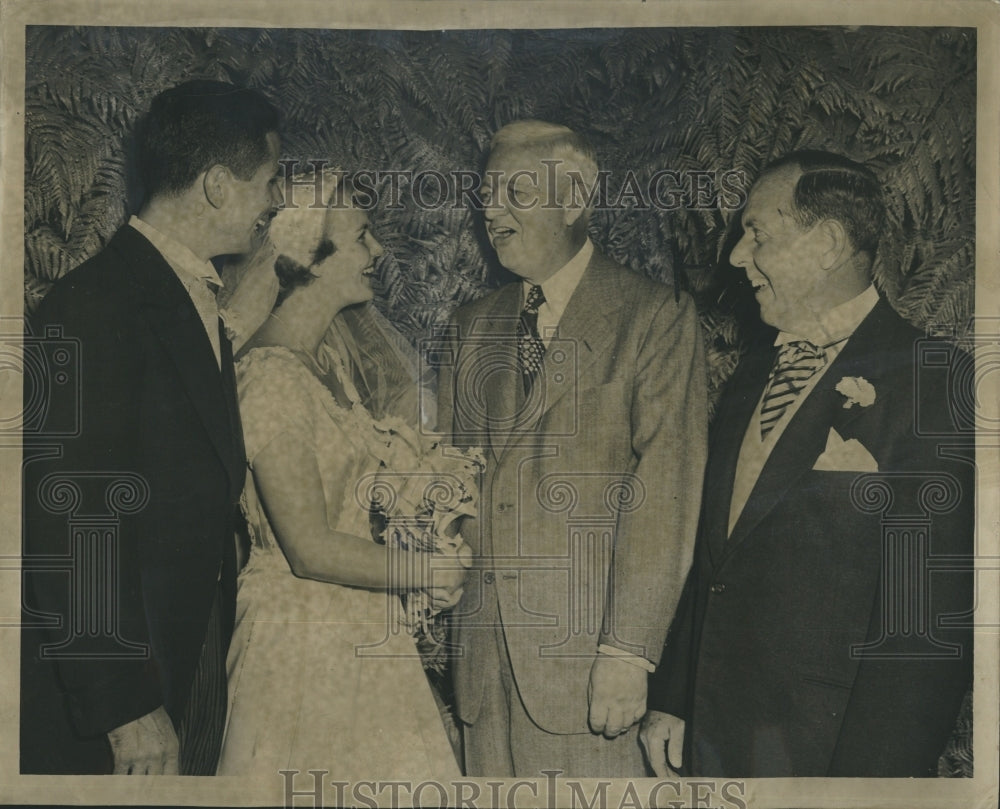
(322, 674)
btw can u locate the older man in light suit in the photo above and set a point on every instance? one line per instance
(814, 638)
(584, 382)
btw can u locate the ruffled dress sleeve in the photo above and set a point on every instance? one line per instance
(277, 397)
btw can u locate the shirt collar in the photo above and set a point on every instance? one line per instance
(180, 257)
(837, 324)
(561, 285)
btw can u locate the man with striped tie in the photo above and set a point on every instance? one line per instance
(811, 639)
(584, 384)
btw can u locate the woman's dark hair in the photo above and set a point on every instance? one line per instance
(291, 274)
(199, 124)
(832, 186)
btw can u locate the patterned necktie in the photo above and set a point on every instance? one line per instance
(796, 363)
(530, 348)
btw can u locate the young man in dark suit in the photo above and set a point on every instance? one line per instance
(123, 660)
(813, 640)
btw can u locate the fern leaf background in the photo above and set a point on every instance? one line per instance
(709, 103)
(706, 101)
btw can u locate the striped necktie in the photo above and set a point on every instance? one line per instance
(530, 348)
(796, 363)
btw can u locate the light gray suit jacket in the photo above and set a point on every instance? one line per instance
(592, 486)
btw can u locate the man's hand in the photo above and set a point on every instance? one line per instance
(447, 577)
(662, 735)
(145, 746)
(617, 694)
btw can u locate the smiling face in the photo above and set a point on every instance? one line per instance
(250, 204)
(347, 273)
(782, 259)
(524, 221)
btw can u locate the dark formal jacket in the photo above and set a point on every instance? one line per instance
(133, 466)
(590, 495)
(827, 636)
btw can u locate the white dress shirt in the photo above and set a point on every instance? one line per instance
(558, 289)
(829, 332)
(194, 273)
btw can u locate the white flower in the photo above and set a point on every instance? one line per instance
(858, 390)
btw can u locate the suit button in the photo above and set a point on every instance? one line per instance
(718, 588)
(489, 578)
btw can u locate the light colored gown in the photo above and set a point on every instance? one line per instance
(321, 676)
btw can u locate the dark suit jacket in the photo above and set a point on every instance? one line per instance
(763, 660)
(605, 458)
(153, 463)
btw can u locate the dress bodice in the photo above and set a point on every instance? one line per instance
(281, 396)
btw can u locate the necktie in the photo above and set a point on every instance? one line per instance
(796, 363)
(530, 348)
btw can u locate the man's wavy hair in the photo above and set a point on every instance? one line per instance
(832, 186)
(199, 124)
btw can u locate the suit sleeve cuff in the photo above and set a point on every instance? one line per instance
(628, 657)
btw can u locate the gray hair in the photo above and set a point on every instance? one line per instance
(555, 142)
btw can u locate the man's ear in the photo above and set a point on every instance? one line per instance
(569, 201)
(571, 213)
(837, 247)
(215, 184)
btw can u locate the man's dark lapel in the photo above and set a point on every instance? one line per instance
(804, 439)
(166, 306)
(730, 425)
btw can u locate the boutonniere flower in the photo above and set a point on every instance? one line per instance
(857, 390)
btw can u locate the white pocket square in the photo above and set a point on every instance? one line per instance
(845, 456)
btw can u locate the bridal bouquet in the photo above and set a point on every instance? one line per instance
(421, 490)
